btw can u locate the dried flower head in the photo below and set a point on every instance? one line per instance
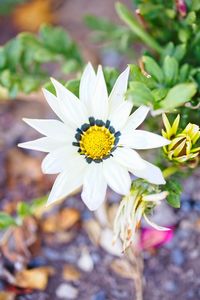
(143, 198)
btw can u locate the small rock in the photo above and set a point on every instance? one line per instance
(85, 262)
(70, 273)
(186, 206)
(107, 244)
(99, 296)
(190, 294)
(170, 286)
(37, 262)
(66, 291)
(194, 254)
(177, 257)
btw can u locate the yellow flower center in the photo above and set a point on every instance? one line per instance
(97, 142)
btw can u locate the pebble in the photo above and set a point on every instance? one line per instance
(107, 244)
(197, 206)
(190, 294)
(85, 262)
(177, 257)
(170, 286)
(66, 291)
(37, 262)
(186, 206)
(101, 295)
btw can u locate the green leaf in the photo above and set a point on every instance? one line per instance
(2, 58)
(23, 210)
(38, 202)
(180, 52)
(136, 75)
(170, 68)
(73, 86)
(127, 16)
(175, 189)
(174, 200)
(54, 38)
(100, 24)
(140, 94)
(111, 76)
(13, 50)
(178, 95)
(70, 66)
(195, 5)
(153, 68)
(184, 73)
(191, 18)
(159, 94)
(6, 78)
(50, 87)
(44, 55)
(6, 220)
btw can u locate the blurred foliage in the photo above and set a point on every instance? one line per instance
(169, 76)
(110, 74)
(23, 59)
(23, 210)
(7, 6)
(114, 35)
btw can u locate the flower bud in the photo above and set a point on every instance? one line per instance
(183, 147)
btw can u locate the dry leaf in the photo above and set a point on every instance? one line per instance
(50, 224)
(70, 273)
(123, 268)
(6, 296)
(34, 278)
(63, 220)
(29, 16)
(68, 217)
(93, 230)
(29, 170)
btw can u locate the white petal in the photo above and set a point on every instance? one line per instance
(57, 160)
(119, 89)
(150, 173)
(100, 99)
(128, 158)
(136, 118)
(152, 224)
(94, 186)
(73, 109)
(116, 176)
(53, 102)
(67, 182)
(87, 86)
(44, 144)
(120, 115)
(140, 139)
(155, 197)
(52, 128)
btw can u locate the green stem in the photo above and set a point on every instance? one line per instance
(127, 17)
(170, 171)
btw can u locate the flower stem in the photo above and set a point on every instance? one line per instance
(170, 171)
(127, 17)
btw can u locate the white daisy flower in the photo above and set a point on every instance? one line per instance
(93, 145)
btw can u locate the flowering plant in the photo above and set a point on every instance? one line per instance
(107, 122)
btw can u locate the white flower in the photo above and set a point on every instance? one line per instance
(94, 143)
